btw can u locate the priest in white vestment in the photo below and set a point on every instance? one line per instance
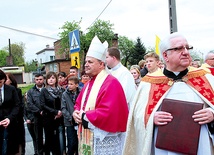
(119, 71)
(177, 81)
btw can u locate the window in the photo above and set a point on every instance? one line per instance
(52, 58)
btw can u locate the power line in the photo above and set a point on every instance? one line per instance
(99, 14)
(52, 37)
(28, 32)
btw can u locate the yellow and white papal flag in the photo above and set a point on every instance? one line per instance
(157, 42)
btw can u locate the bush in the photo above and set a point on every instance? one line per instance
(25, 88)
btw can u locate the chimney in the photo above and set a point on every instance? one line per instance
(47, 46)
(9, 59)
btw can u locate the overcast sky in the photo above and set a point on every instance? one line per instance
(131, 18)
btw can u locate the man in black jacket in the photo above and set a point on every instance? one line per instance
(34, 105)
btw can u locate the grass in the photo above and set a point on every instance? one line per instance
(25, 87)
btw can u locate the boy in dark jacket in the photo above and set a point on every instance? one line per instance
(29, 118)
(67, 108)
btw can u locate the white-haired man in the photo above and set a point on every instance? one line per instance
(177, 82)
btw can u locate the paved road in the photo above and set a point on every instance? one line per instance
(29, 150)
(27, 135)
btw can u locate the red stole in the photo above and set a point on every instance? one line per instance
(160, 84)
(202, 85)
(211, 70)
(156, 92)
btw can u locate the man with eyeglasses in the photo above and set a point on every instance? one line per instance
(33, 102)
(178, 82)
(209, 62)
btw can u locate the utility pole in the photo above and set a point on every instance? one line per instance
(172, 16)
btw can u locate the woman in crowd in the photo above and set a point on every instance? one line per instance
(9, 108)
(62, 80)
(20, 118)
(50, 101)
(196, 64)
(136, 74)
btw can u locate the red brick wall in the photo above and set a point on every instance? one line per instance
(59, 54)
(65, 66)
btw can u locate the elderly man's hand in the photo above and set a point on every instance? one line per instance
(162, 118)
(203, 116)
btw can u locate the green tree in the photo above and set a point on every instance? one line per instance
(17, 52)
(103, 29)
(64, 35)
(31, 66)
(126, 47)
(138, 52)
(3, 57)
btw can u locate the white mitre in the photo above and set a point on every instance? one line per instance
(97, 49)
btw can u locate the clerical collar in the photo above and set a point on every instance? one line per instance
(116, 67)
(172, 75)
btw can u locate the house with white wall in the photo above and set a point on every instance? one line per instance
(46, 55)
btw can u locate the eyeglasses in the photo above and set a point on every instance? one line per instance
(180, 48)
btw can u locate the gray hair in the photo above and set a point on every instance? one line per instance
(208, 54)
(166, 44)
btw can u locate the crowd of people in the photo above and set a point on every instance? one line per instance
(109, 109)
